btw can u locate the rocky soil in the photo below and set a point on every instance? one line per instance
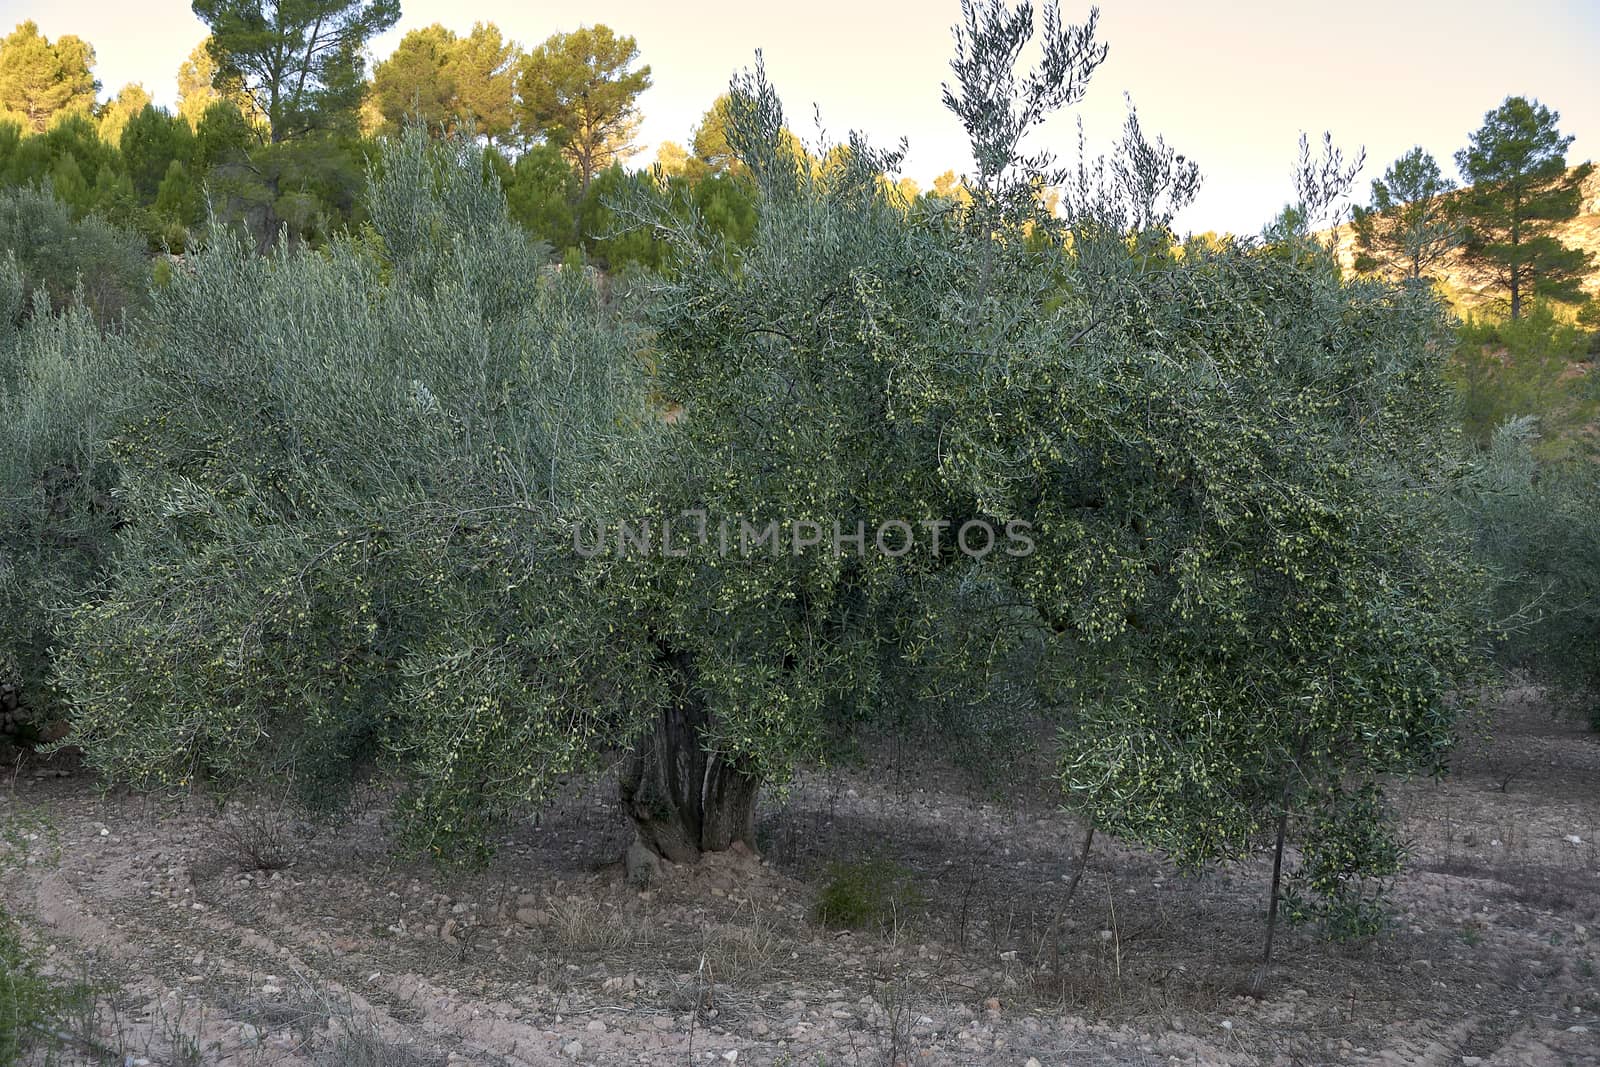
(247, 939)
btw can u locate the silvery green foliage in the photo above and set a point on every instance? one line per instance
(1236, 464)
(347, 486)
(1534, 525)
(13, 300)
(1244, 564)
(357, 474)
(998, 108)
(1349, 853)
(87, 260)
(1321, 181)
(784, 362)
(1139, 189)
(755, 133)
(427, 204)
(57, 512)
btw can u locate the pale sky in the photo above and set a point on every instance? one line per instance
(1229, 83)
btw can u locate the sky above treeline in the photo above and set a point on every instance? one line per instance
(1231, 84)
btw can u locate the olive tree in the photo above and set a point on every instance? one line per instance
(1243, 566)
(1236, 466)
(1533, 523)
(745, 618)
(1247, 606)
(409, 503)
(780, 361)
(341, 462)
(1244, 606)
(57, 512)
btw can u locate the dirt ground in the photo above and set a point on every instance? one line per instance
(237, 940)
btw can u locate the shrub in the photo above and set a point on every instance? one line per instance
(867, 894)
(59, 377)
(310, 188)
(29, 1002)
(1534, 524)
(62, 255)
(345, 489)
(1503, 369)
(541, 190)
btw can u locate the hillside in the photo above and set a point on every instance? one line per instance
(1468, 292)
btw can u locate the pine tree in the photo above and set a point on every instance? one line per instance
(40, 80)
(576, 91)
(300, 62)
(152, 141)
(197, 90)
(131, 100)
(1516, 164)
(1408, 227)
(177, 199)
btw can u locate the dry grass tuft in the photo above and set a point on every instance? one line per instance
(358, 1043)
(735, 952)
(585, 928)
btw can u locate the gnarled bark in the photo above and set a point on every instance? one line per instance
(685, 800)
